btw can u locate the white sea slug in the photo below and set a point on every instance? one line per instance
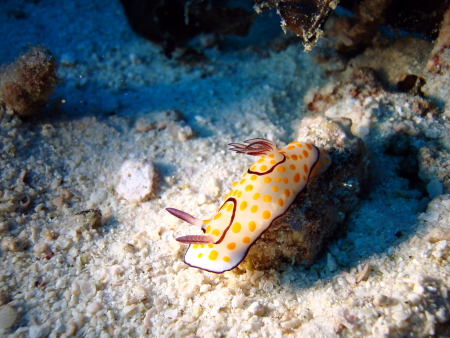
(265, 192)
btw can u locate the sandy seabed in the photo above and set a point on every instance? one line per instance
(69, 274)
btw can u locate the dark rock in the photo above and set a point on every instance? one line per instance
(172, 23)
(306, 18)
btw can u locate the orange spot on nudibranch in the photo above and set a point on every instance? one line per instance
(266, 214)
(267, 180)
(285, 180)
(231, 246)
(246, 240)
(215, 232)
(263, 168)
(251, 226)
(277, 179)
(271, 155)
(208, 229)
(327, 160)
(195, 246)
(319, 164)
(267, 198)
(273, 161)
(243, 205)
(230, 207)
(292, 167)
(242, 181)
(297, 178)
(249, 187)
(308, 146)
(210, 246)
(217, 216)
(305, 153)
(256, 196)
(280, 202)
(226, 259)
(254, 208)
(305, 168)
(200, 255)
(287, 192)
(281, 169)
(253, 177)
(274, 188)
(291, 147)
(294, 157)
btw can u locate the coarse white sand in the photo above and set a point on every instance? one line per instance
(127, 277)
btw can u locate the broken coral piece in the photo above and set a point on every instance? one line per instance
(136, 180)
(306, 18)
(27, 84)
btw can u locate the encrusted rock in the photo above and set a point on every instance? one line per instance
(318, 212)
(26, 85)
(136, 180)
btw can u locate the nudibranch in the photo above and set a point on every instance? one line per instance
(265, 192)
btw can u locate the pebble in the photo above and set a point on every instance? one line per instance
(8, 316)
(13, 244)
(431, 216)
(87, 219)
(435, 188)
(148, 316)
(363, 274)
(238, 301)
(87, 289)
(381, 300)
(291, 324)
(256, 308)
(129, 310)
(40, 247)
(58, 202)
(94, 307)
(135, 180)
(4, 226)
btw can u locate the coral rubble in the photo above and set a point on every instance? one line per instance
(27, 84)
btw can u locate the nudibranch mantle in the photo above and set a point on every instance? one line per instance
(265, 192)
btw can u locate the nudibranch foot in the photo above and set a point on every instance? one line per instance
(186, 217)
(196, 239)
